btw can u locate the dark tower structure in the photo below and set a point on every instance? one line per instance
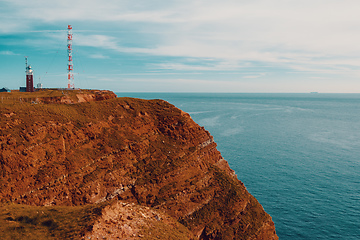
(29, 78)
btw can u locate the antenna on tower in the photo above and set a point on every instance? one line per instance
(70, 62)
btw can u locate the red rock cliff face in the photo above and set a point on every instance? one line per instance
(144, 152)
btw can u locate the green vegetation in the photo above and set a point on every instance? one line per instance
(55, 222)
(26, 97)
(159, 230)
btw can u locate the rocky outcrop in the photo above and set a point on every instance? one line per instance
(131, 151)
(56, 96)
(121, 220)
(75, 96)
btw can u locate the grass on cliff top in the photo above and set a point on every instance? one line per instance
(16, 96)
(170, 231)
(56, 222)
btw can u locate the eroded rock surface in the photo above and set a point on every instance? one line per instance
(146, 153)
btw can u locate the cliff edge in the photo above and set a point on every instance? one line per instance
(127, 168)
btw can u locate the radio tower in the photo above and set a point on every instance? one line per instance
(70, 62)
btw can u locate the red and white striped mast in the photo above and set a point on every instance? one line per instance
(70, 62)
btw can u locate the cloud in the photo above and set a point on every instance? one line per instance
(7, 53)
(318, 37)
(109, 11)
(182, 67)
(98, 41)
(98, 56)
(254, 76)
(255, 26)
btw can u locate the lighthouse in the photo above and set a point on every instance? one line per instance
(29, 77)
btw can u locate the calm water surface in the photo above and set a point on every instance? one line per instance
(298, 154)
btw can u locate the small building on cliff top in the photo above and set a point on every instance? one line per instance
(4, 89)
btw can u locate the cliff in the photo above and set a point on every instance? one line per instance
(128, 168)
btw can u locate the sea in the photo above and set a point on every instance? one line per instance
(298, 154)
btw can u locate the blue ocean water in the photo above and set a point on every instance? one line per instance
(298, 154)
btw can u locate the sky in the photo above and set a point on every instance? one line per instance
(184, 45)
